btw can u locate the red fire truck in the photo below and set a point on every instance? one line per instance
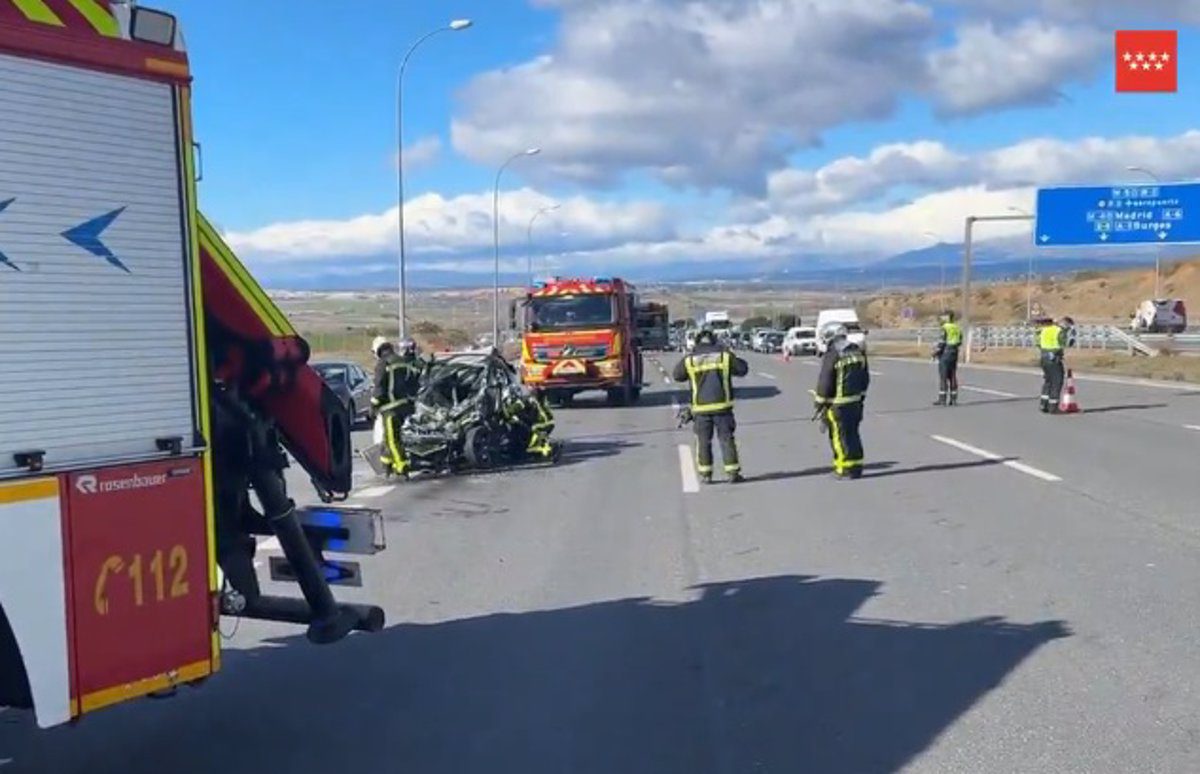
(148, 385)
(581, 334)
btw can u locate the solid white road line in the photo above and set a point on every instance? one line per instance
(269, 544)
(766, 375)
(687, 469)
(985, 391)
(876, 373)
(987, 455)
(1191, 427)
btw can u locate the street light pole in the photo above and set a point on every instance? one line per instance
(966, 276)
(533, 220)
(455, 26)
(496, 242)
(1158, 251)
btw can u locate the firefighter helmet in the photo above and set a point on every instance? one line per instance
(378, 345)
(833, 331)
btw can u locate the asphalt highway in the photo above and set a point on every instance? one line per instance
(1003, 592)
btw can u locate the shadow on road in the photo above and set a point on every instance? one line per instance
(1126, 407)
(824, 470)
(957, 407)
(942, 467)
(658, 398)
(877, 470)
(772, 674)
(574, 452)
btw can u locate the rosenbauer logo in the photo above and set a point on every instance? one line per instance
(90, 485)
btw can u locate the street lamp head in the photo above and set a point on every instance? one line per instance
(553, 207)
(460, 24)
(533, 151)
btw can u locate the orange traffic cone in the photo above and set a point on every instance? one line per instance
(1068, 404)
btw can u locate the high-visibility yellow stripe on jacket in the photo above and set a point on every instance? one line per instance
(702, 369)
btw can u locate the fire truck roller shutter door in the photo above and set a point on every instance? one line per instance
(94, 242)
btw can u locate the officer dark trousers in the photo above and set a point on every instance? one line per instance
(843, 424)
(724, 425)
(1053, 374)
(948, 376)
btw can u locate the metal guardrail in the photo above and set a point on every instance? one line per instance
(1086, 336)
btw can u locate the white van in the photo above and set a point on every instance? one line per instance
(801, 340)
(848, 318)
(1160, 315)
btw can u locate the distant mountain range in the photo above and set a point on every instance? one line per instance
(994, 259)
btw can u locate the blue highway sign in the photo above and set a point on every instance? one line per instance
(1118, 215)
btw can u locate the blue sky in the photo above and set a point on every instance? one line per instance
(653, 116)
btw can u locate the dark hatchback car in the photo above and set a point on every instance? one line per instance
(352, 384)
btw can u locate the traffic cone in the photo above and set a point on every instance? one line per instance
(1068, 404)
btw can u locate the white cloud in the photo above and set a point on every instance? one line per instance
(435, 225)
(423, 152)
(699, 93)
(852, 180)
(717, 93)
(902, 228)
(1102, 12)
(836, 210)
(991, 68)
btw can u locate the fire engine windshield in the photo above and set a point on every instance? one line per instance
(560, 312)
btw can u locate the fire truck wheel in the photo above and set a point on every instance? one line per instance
(621, 396)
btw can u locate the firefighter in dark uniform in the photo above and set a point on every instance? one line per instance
(946, 354)
(710, 369)
(841, 391)
(1052, 340)
(397, 379)
(526, 410)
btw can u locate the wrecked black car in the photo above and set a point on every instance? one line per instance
(473, 413)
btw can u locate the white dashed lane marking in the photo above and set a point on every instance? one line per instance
(687, 470)
(1028, 470)
(985, 391)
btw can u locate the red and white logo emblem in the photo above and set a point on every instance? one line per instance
(1147, 60)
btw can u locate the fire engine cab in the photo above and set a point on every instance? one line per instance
(581, 334)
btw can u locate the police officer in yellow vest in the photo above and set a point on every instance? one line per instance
(1052, 340)
(946, 354)
(710, 369)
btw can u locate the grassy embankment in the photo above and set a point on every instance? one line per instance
(1089, 296)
